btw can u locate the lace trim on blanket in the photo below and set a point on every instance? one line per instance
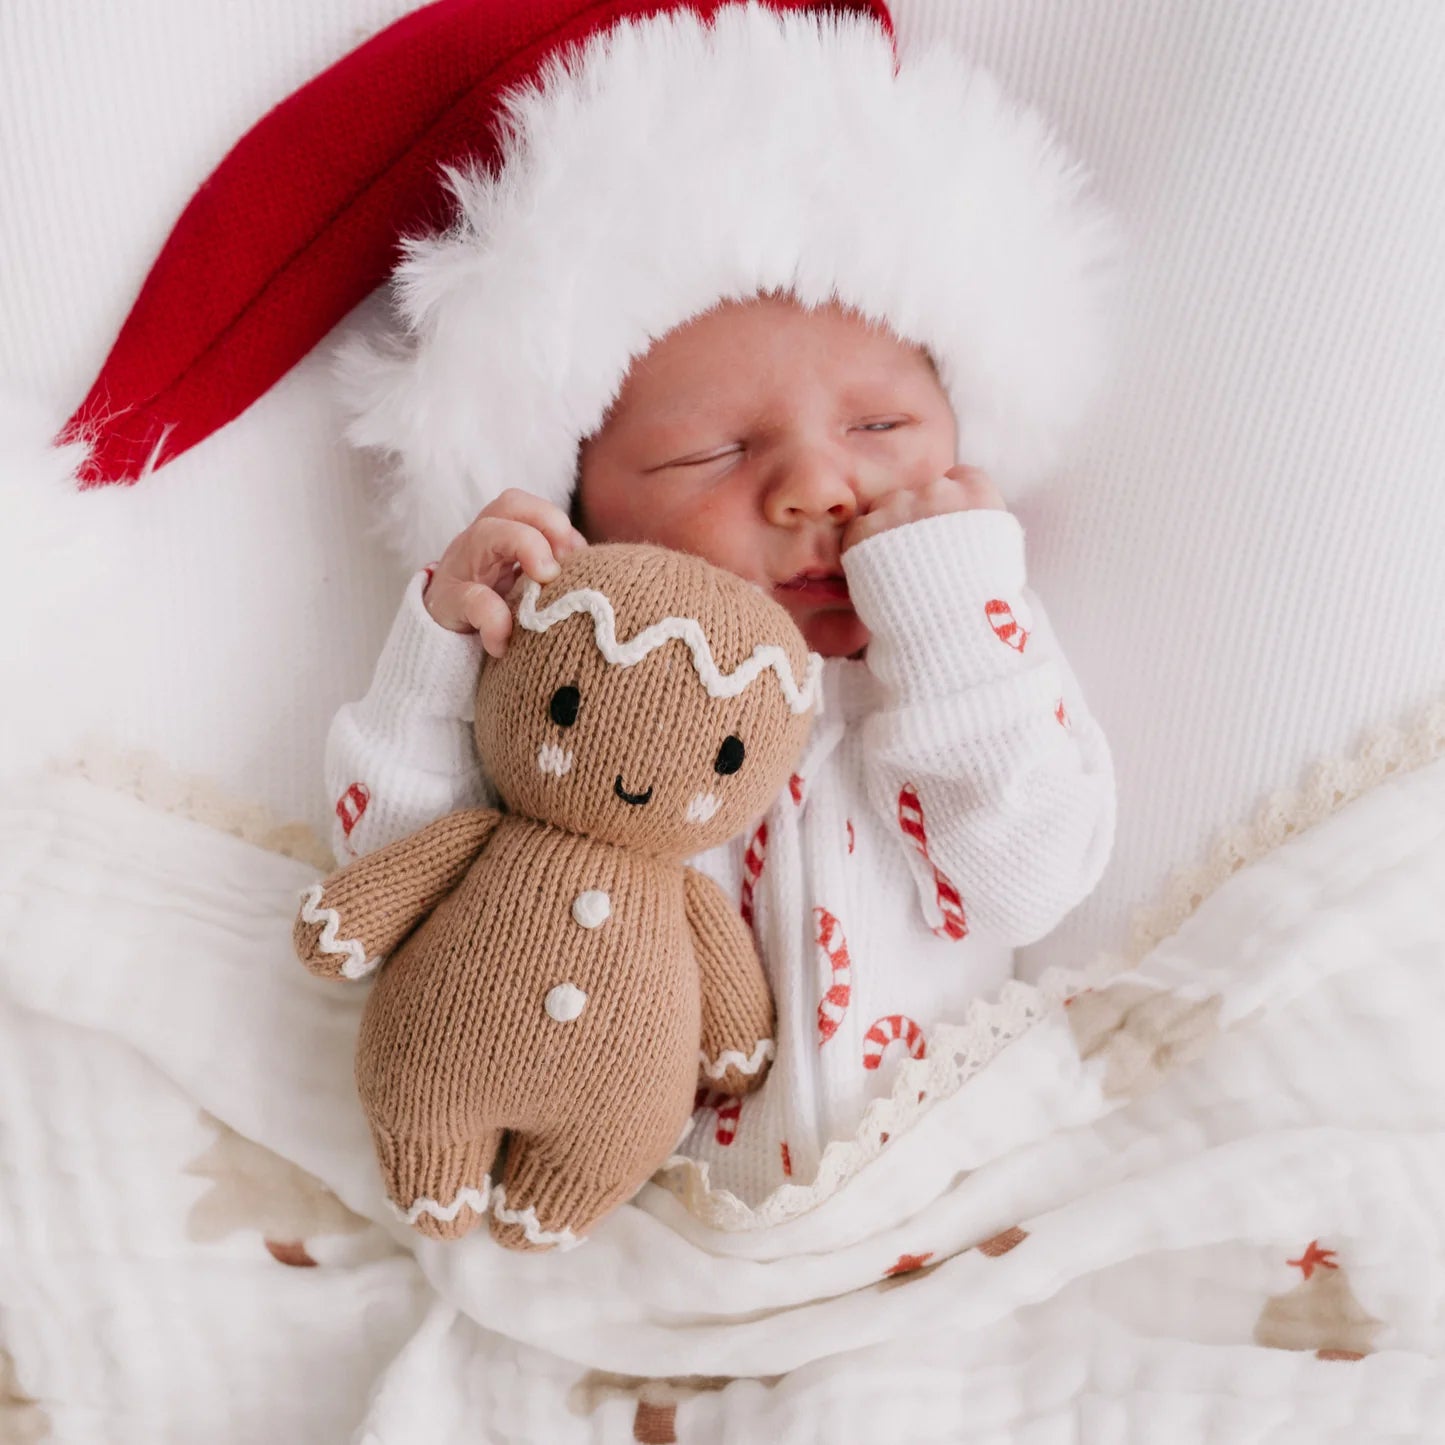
(957, 1052)
(1383, 754)
(152, 780)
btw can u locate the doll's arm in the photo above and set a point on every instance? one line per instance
(737, 1006)
(359, 915)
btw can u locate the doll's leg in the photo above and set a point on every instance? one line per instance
(440, 1187)
(555, 1186)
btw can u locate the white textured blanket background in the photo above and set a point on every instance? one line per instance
(1201, 1203)
(1244, 563)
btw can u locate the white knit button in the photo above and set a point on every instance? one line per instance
(565, 1003)
(592, 909)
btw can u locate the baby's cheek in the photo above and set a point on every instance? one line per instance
(724, 527)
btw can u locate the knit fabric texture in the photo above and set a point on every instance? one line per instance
(561, 980)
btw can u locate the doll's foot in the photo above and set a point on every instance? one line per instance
(539, 1204)
(518, 1227)
(441, 1190)
(450, 1220)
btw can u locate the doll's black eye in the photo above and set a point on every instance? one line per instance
(564, 705)
(730, 755)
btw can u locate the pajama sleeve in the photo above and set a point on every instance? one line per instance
(404, 755)
(981, 757)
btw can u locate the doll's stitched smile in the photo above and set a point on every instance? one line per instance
(636, 799)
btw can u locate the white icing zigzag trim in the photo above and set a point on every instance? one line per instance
(531, 1226)
(685, 629)
(357, 964)
(734, 1059)
(467, 1197)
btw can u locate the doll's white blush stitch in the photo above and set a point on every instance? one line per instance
(554, 759)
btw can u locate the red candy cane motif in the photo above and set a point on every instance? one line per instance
(350, 806)
(753, 870)
(787, 1159)
(795, 787)
(729, 1109)
(890, 1030)
(834, 949)
(1061, 714)
(950, 905)
(1001, 618)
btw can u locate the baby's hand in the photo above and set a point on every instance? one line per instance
(960, 489)
(516, 533)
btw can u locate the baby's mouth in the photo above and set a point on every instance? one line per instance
(636, 799)
(816, 584)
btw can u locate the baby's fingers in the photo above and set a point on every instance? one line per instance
(490, 615)
(500, 544)
(550, 520)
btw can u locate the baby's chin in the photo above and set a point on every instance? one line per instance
(834, 632)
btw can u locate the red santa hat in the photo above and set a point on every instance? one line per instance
(570, 181)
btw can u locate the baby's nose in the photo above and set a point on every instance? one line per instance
(810, 486)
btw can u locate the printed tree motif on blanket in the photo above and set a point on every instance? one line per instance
(1321, 1313)
(907, 1268)
(654, 1420)
(255, 1189)
(1002, 1243)
(22, 1421)
(1140, 1033)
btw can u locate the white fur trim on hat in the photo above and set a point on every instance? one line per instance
(672, 164)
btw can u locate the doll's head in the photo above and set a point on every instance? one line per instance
(647, 699)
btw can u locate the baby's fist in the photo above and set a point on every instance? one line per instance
(516, 533)
(960, 489)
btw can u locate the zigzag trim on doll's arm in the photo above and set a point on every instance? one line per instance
(762, 1053)
(356, 964)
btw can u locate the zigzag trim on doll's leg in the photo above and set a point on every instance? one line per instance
(467, 1197)
(531, 1225)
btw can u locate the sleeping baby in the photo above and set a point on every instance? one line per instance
(817, 341)
(956, 797)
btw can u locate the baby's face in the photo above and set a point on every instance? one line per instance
(753, 434)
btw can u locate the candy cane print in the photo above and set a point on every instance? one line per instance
(950, 905)
(729, 1109)
(1001, 618)
(349, 808)
(753, 870)
(888, 1031)
(834, 950)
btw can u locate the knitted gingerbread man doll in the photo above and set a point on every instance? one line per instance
(555, 973)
